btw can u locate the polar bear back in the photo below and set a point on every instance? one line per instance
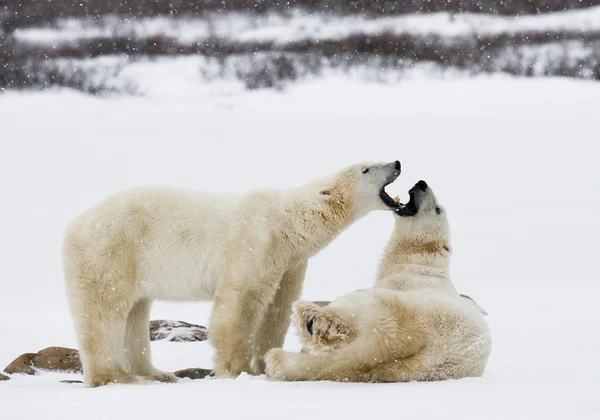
(176, 235)
(459, 340)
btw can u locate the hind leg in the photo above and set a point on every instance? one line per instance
(101, 336)
(137, 344)
(101, 276)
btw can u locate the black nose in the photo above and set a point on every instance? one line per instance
(422, 185)
(397, 165)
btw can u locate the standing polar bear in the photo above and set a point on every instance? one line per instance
(411, 325)
(247, 253)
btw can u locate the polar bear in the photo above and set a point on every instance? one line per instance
(247, 253)
(411, 325)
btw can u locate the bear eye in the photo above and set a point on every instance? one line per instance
(365, 170)
(438, 210)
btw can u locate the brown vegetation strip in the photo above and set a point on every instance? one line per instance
(444, 50)
(23, 13)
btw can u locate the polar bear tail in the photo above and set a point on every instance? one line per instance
(321, 328)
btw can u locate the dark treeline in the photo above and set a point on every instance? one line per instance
(261, 65)
(23, 13)
(448, 51)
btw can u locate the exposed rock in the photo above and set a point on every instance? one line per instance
(177, 331)
(22, 364)
(194, 373)
(59, 359)
(322, 302)
(4, 377)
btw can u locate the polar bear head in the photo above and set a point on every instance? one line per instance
(360, 188)
(422, 221)
(316, 213)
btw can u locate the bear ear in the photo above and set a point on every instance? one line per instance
(325, 192)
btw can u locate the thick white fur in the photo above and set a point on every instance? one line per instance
(248, 253)
(411, 325)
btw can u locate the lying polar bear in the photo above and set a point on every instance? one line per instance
(412, 325)
(247, 253)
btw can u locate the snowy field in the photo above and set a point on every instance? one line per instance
(514, 162)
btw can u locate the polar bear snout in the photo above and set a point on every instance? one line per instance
(396, 169)
(421, 185)
(421, 200)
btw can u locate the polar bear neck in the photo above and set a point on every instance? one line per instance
(409, 265)
(316, 221)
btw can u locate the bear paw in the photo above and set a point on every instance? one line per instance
(274, 364)
(115, 378)
(165, 377)
(321, 328)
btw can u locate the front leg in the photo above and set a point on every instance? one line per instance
(349, 364)
(274, 326)
(282, 365)
(240, 305)
(340, 367)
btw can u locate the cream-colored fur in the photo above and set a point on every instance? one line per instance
(247, 253)
(411, 325)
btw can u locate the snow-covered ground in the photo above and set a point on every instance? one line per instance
(514, 161)
(300, 25)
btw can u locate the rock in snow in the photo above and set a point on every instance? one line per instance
(67, 360)
(177, 331)
(194, 373)
(4, 377)
(22, 364)
(52, 358)
(58, 358)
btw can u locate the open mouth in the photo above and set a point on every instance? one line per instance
(412, 207)
(408, 209)
(385, 197)
(389, 201)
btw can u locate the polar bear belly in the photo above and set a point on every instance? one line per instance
(187, 275)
